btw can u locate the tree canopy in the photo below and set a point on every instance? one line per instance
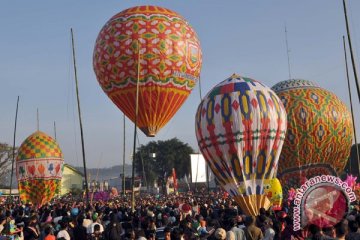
(6, 156)
(157, 159)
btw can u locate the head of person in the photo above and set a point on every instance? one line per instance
(249, 220)
(48, 230)
(97, 228)
(329, 231)
(167, 233)
(341, 229)
(353, 226)
(220, 234)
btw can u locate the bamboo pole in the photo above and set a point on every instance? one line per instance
(80, 121)
(13, 149)
(351, 108)
(135, 132)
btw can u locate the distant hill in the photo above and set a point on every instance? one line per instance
(106, 173)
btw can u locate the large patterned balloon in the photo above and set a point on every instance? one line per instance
(240, 128)
(319, 135)
(39, 167)
(155, 47)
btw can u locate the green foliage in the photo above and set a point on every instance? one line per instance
(169, 154)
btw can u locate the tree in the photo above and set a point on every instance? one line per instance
(159, 158)
(352, 166)
(6, 157)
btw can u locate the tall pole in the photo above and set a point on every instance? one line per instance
(80, 121)
(123, 170)
(287, 52)
(13, 150)
(55, 130)
(37, 119)
(351, 108)
(135, 132)
(351, 51)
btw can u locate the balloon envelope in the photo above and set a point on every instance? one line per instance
(156, 48)
(240, 128)
(39, 166)
(319, 135)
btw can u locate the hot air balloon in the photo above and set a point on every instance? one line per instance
(156, 48)
(319, 135)
(240, 128)
(39, 166)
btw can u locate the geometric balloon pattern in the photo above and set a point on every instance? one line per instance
(39, 166)
(156, 48)
(319, 134)
(240, 128)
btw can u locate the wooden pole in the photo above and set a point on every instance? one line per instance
(287, 52)
(351, 51)
(13, 150)
(80, 121)
(135, 132)
(55, 130)
(37, 119)
(123, 170)
(351, 108)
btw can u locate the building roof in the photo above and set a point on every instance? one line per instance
(73, 169)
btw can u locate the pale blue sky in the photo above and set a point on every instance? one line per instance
(238, 36)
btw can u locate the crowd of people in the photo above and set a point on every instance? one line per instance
(183, 216)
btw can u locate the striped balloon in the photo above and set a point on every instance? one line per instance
(240, 128)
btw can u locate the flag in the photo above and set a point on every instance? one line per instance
(175, 180)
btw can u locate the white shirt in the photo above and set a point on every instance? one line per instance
(90, 228)
(63, 234)
(269, 234)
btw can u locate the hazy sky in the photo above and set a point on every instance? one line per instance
(243, 37)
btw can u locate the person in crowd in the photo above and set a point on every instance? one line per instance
(31, 231)
(2, 223)
(97, 234)
(63, 233)
(251, 231)
(113, 230)
(353, 230)
(341, 229)
(239, 233)
(49, 233)
(269, 233)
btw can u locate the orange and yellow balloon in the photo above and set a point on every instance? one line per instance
(155, 48)
(319, 135)
(39, 166)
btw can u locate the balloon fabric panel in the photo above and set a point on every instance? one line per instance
(39, 191)
(156, 48)
(240, 127)
(39, 167)
(319, 135)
